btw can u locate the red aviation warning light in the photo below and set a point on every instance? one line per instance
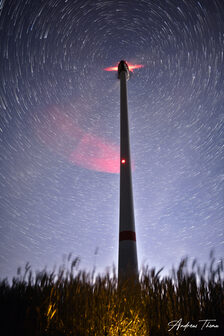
(123, 161)
(131, 67)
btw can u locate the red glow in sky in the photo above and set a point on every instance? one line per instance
(62, 134)
(130, 66)
(95, 153)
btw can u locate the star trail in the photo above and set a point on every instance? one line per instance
(59, 130)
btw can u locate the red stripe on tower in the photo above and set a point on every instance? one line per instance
(127, 235)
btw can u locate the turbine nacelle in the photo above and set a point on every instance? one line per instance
(123, 66)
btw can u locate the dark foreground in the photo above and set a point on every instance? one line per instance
(74, 302)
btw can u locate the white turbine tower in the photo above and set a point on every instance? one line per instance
(127, 259)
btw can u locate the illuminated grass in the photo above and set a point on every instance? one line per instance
(74, 302)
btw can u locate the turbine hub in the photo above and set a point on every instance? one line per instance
(123, 66)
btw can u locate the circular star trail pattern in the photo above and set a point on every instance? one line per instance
(59, 129)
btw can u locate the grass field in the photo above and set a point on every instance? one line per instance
(74, 302)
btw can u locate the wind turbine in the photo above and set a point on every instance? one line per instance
(127, 259)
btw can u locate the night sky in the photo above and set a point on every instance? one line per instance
(59, 130)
